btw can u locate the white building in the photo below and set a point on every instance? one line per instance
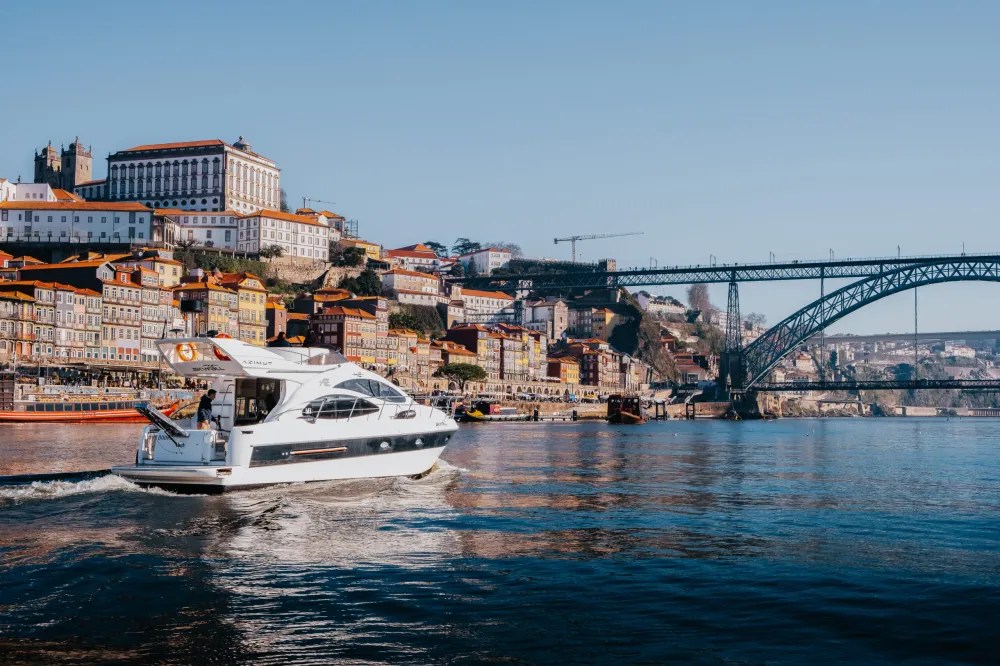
(210, 229)
(8, 190)
(75, 222)
(482, 303)
(486, 260)
(93, 190)
(209, 175)
(662, 305)
(298, 235)
(413, 257)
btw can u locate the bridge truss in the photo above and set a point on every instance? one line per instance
(763, 354)
(768, 272)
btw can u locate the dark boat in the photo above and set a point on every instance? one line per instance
(625, 410)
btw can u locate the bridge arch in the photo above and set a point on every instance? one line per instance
(760, 356)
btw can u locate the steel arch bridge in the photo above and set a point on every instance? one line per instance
(759, 357)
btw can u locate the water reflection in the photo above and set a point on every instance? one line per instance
(748, 542)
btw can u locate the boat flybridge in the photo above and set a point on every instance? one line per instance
(283, 415)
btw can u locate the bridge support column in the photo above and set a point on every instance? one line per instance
(731, 373)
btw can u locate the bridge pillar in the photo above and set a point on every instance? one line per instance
(731, 367)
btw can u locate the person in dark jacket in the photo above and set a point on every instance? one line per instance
(279, 341)
(205, 410)
(311, 339)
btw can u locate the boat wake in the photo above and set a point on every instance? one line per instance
(15, 490)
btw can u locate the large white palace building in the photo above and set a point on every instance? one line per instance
(209, 175)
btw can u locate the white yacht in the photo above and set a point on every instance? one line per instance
(284, 415)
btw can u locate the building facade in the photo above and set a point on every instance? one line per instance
(64, 169)
(303, 236)
(75, 222)
(209, 175)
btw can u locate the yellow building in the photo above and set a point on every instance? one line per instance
(251, 300)
(373, 251)
(218, 310)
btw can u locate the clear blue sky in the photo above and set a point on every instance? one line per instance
(733, 129)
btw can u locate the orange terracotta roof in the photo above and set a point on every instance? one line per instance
(414, 291)
(273, 305)
(88, 292)
(341, 311)
(76, 205)
(331, 215)
(415, 254)
(179, 144)
(27, 283)
(297, 316)
(288, 217)
(202, 286)
(487, 294)
(94, 263)
(16, 295)
(63, 195)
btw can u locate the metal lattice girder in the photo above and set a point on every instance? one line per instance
(765, 352)
(883, 384)
(806, 270)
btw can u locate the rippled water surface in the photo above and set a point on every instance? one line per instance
(710, 542)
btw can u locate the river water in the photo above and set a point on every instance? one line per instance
(695, 542)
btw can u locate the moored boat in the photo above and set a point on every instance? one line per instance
(625, 410)
(95, 410)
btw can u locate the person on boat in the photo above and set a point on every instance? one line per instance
(205, 410)
(270, 401)
(279, 341)
(311, 338)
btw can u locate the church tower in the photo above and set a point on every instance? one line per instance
(77, 164)
(48, 166)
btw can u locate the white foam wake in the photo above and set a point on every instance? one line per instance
(41, 490)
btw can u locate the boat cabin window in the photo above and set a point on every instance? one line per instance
(375, 389)
(338, 407)
(255, 398)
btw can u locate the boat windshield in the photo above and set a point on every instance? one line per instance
(185, 412)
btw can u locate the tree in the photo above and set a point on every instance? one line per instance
(403, 320)
(283, 206)
(367, 283)
(756, 319)
(271, 251)
(513, 248)
(458, 270)
(465, 246)
(698, 298)
(185, 243)
(440, 249)
(352, 256)
(461, 374)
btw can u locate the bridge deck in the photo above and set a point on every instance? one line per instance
(767, 272)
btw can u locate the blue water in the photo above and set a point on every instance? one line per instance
(826, 541)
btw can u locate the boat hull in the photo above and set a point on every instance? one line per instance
(216, 478)
(108, 416)
(625, 418)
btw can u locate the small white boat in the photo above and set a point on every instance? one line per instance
(285, 415)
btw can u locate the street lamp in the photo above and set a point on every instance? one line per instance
(711, 260)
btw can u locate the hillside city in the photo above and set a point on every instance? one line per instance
(197, 237)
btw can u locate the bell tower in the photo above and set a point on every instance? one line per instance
(77, 165)
(48, 166)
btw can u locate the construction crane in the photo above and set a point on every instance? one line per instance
(573, 239)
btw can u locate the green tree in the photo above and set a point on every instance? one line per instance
(513, 248)
(368, 283)
(461, 374)
(440, 249)
(403, 320)
(457, 270)
(271, 251)
(283, 206)
(465, 246)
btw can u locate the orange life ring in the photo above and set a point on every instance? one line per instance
(185, 351)
(223, 335)
(221, 355)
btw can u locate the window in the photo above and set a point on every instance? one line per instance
(373, 388)
(338, 407)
